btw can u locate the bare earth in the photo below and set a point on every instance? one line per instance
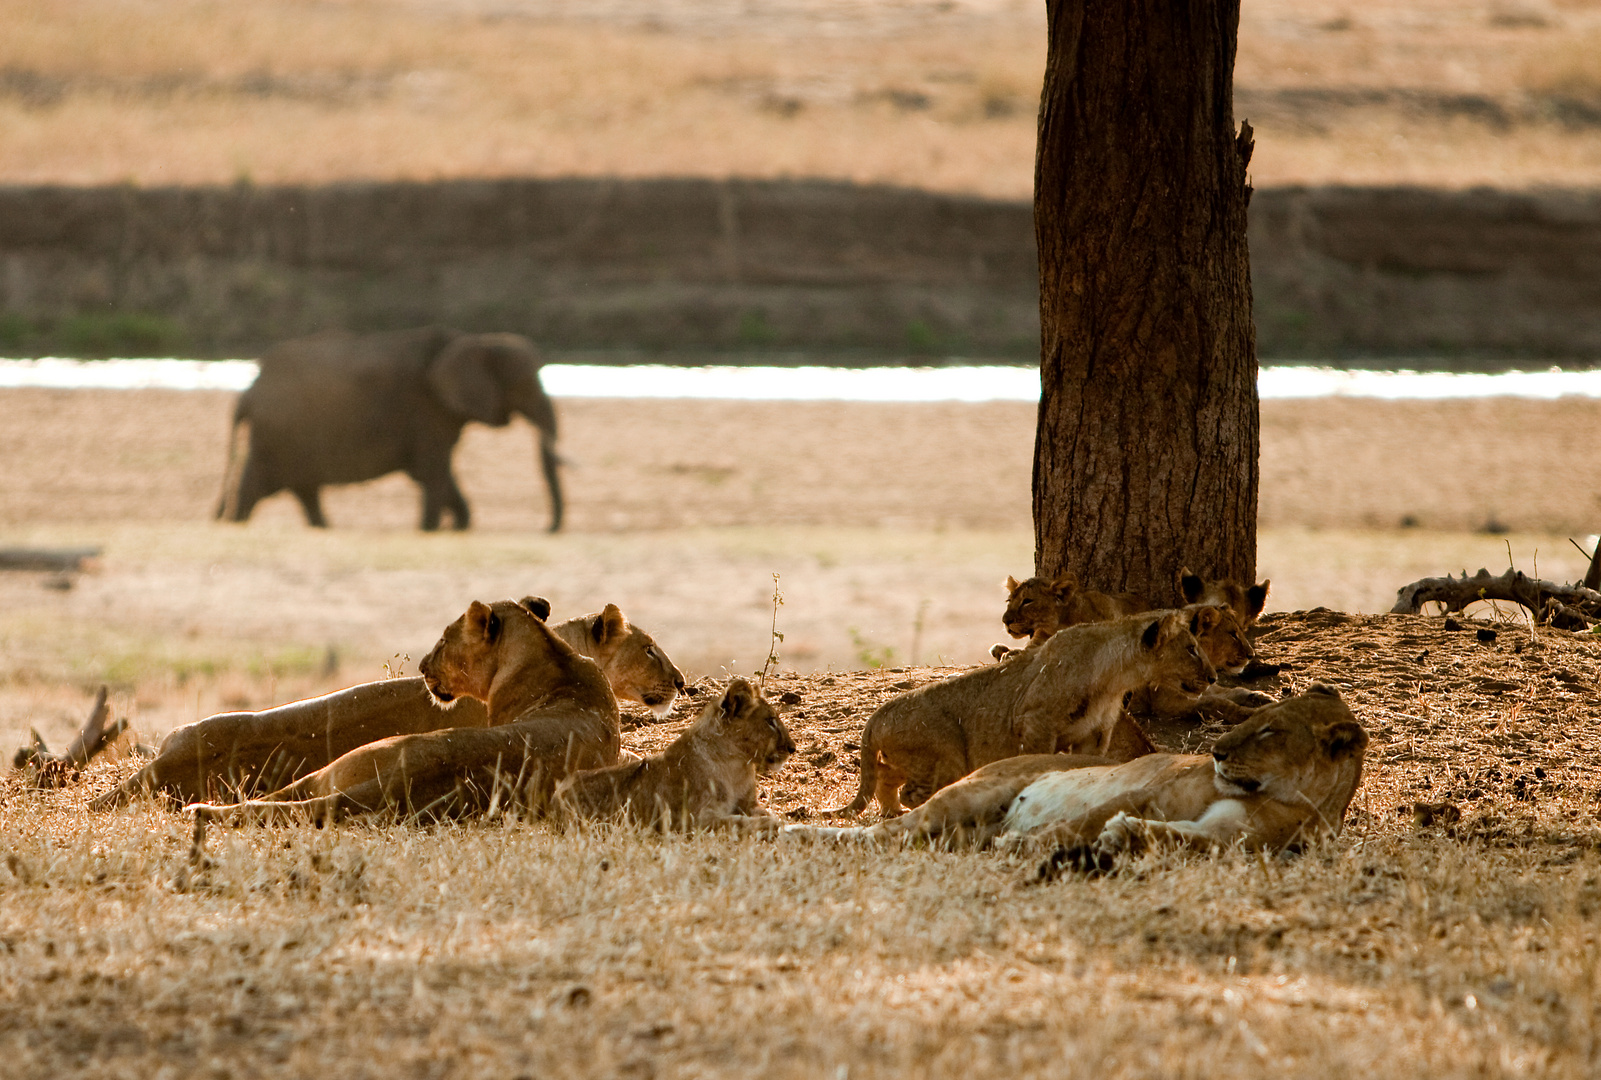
(934, 94)
(891, 527)
(1456, 942)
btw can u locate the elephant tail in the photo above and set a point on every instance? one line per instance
(541, 412)
(228, 503)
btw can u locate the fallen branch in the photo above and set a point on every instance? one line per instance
(54, 770)
(1567, 607)
(46, 558)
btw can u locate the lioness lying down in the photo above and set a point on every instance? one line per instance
(550, 713)
(1285, 775)
(245, 753)
(1065, 695)
(706, 777)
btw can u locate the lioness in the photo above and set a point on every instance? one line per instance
(1246, 600)
(1286, 774)
(706, 777)
(1066, 694)
(550, 712)
(245, 753)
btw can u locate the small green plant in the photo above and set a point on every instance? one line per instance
(869, 655)
(774, 639)
(398, 671)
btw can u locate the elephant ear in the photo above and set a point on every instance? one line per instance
(466, 378)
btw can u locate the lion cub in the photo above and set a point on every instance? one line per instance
(1063, 695)
(1222, 637)
(1247, 601)
(1037, 608)
(706, 777)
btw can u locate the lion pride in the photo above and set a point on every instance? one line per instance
(550, 713)
(1066, 694)
(248, 753)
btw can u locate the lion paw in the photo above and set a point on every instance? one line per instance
(1087, 859)
(1123, 833)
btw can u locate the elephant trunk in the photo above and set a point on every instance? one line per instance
(548, 460)
(536, 406)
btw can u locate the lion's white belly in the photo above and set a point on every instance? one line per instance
(1061, 795)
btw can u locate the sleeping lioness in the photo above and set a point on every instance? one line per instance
(1066, 694)
(705, 778)
(245, 753)
(1285, 775)
(550, 713)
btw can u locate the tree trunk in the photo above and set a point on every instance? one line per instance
(1146, 454)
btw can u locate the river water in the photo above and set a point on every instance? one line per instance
(974, 383)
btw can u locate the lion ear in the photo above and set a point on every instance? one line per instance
(1205, 619)
(1190, 585)
(608, 625)
(739, 697)
(537, 606)
(1256, 598)
(1065, 584)
(1011, 584)
(478, 616)
(1162, 631)
(483, 621)
(1344, 737)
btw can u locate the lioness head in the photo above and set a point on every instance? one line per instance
(467, 656)
(635, 665)
(1221, 635)
(743, 717)
(1037, 604)
(1247, 601)
(1294, 750)
(1179, 661)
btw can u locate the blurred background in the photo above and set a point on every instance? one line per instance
(732, 183)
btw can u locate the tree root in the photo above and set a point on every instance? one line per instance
(1566, 607)
(56, 770)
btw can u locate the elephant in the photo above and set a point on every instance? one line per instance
(337, 408)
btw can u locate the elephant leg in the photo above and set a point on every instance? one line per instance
(251, 490)
(439, 494)
(310, 496)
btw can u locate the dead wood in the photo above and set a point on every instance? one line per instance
(54, 770)
(1592, 576)
(46, 558)
(1567, 607)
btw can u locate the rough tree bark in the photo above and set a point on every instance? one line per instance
(1146, 452)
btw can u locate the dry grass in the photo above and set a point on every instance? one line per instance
(506, 948)
(920, 92)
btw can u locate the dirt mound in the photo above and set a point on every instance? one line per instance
(1480, 724)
